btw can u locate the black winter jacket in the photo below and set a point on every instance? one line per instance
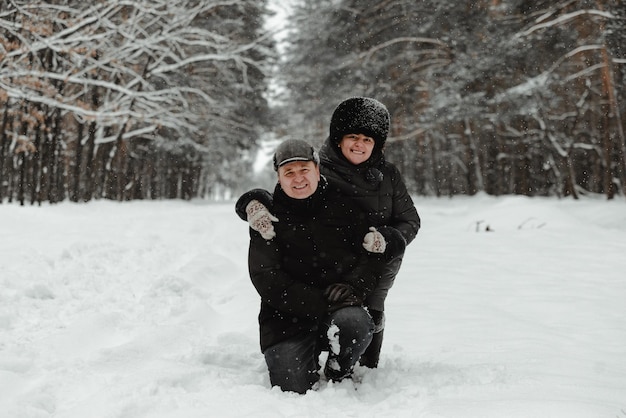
(318, 242)
(378, 188)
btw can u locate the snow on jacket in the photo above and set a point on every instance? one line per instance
(318, 242)
(376, 185)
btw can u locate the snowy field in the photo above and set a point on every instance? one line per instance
(145, 309)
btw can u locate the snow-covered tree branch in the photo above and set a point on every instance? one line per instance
(151, 73)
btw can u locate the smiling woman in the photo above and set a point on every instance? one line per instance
(357, 148)
(353, 158)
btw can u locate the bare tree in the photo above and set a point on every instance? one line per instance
(130, 78)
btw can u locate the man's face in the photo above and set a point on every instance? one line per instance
(299, 179)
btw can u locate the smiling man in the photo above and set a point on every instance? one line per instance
(298, 169)
(307, 262)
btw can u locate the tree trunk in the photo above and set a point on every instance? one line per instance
(36, 168)
(434, 164)
(90, 172)
(614, 124)
(78, 156)
(4, 146)
(474, 172)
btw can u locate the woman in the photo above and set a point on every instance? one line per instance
(353, 158)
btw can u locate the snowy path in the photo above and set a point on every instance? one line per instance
(145, 309)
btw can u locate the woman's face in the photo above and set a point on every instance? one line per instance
(357, 148)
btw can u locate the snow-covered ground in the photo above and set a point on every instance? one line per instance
(145, 309)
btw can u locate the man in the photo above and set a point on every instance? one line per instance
(311, 271)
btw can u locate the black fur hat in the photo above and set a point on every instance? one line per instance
(360, 115)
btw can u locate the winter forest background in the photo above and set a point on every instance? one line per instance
(154, 99)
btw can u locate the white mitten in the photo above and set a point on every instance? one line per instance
(260, 219)
(374, 242)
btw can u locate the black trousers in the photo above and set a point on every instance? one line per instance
(293, 364)
(376, 299)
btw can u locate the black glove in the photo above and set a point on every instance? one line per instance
(337, 292)
(341, 295)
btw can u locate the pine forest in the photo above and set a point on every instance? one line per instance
(155, 99)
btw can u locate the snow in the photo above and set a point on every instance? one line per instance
(145, 309)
